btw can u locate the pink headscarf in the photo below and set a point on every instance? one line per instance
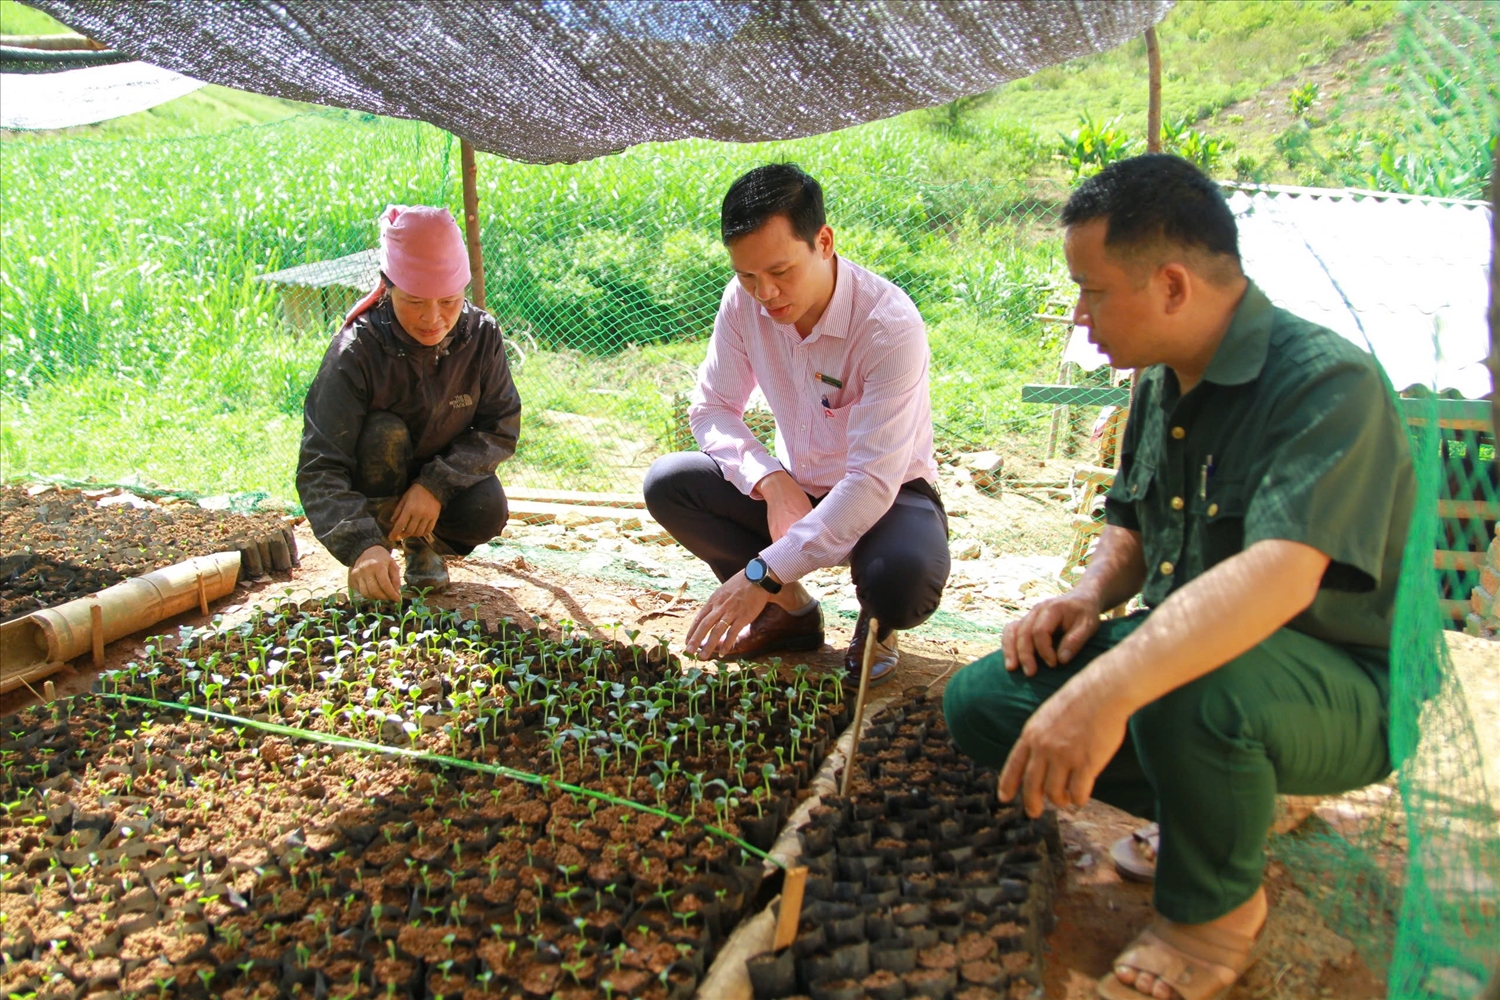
(422, 252)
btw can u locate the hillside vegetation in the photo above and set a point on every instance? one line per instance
(137, 340)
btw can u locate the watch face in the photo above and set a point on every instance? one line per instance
(755, 571)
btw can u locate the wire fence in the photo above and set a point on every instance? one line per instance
(165, 303)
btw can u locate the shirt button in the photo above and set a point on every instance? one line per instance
(1177, 503)
(1178, 433)
(802, 427)
(1166, 569)
(1213, 509)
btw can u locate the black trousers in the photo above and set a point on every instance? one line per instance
(385, 467)
(899, 567)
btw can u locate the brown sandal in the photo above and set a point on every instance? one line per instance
(1196, 961)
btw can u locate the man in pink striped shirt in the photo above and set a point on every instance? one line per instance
(841, 355)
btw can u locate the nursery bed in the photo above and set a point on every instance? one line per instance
(57, 543)
(347, 802)
(153, 852)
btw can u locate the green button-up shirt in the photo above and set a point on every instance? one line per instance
(1292, 433)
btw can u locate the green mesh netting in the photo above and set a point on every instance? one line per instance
(1410, 870)
(142, 338)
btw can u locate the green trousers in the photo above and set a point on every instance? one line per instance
(1294, 715)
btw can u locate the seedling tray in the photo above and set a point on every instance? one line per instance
(334, 801)
(920, 882)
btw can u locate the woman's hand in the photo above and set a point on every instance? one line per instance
(416, 515)
(375, 575)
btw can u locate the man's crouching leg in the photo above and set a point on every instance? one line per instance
(1294, 715)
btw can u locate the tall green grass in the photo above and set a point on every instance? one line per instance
(1214, 53)
(136, 340)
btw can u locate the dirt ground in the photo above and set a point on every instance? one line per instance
(1097, 912)
(57, 543)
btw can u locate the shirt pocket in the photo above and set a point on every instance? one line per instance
(1134, 491)
(830, 430)
(1219, 522)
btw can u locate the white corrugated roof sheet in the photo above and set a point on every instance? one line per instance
(1404, 277)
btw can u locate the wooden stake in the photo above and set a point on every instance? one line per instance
(96, 626)
(1153, 93)
(9, 680)
(859, 703)
(49, 691)
(471, 222)
(790, 914)
(202, 589)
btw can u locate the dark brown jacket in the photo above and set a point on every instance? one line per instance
(457, 399)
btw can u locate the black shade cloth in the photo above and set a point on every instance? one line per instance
(565, 80)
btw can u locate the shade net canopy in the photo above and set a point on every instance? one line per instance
(566, 80)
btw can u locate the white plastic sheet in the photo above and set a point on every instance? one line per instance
(87, 96)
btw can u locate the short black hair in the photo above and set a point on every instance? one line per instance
(771, 190)
(1154, 199)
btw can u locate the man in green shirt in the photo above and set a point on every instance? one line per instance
(1260, 511)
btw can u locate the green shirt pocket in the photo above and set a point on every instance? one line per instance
(1218, 523)
(1125, 504)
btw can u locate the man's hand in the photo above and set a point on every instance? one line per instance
(416, 514)
(786, 503)
(736, 604)
(375, 575)
(1064, 746)
(1075, 614)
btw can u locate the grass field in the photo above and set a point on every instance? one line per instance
(137, 342)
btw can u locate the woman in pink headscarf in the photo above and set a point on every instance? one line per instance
(409, 416)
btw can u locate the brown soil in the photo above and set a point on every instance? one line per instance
(1097, 912)
(58, 544)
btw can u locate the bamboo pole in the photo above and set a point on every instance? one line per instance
(859, 703)
(85, 625)
(1153, 93)
(11, 680)
(471, 222)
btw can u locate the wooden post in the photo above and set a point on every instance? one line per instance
(1153, 94)
(1495, 289)
(202, 590)
(471, 221)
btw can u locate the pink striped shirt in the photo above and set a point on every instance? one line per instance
(852, 445)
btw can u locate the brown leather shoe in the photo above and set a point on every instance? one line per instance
(883, 665)
(777, 630)
(425, 569)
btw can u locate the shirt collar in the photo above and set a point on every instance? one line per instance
(1242, 352)
(836, 317)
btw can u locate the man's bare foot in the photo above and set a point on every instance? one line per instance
(1246, 919)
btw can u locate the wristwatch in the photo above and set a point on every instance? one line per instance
(758, 573)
